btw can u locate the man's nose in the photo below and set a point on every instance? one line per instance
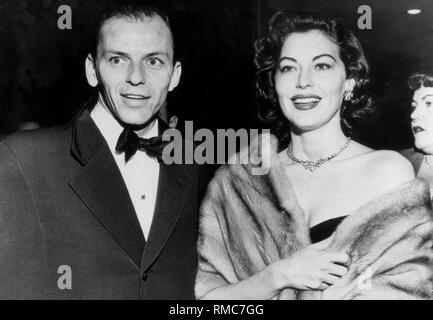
(136, 75)
(304, 79)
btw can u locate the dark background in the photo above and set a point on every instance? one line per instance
(42, 68)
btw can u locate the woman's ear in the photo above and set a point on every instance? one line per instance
(349, 85)
(92, 78)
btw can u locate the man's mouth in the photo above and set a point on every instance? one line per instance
(134, 96)
(417, 129)
(305, 102)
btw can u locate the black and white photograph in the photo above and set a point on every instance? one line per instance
(216, 150)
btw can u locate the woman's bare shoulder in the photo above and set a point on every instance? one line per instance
(388, 167)
(379, 160)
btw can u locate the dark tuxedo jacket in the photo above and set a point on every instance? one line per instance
(63, 202)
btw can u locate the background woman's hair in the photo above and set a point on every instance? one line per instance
(267, 54)
(422, 78)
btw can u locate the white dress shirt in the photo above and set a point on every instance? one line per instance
(140, 173)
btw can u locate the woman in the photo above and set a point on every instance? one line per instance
(422, 125)
(256, 231)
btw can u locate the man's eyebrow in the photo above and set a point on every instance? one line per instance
(288, 58)
(124, 54)
(156, 53)
(324, 55)
(116, 52)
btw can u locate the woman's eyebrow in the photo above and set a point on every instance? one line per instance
(288, 58)
(324, 55)
(427, 96)
(315, 58)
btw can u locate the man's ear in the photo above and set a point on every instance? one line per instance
(349, 85)
(91, 76)
(175, 76)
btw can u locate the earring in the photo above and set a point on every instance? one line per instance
(347, 95)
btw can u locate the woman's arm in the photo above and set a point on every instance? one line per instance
(308, 269)
(261, 286)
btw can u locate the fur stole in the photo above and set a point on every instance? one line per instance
(249, 221)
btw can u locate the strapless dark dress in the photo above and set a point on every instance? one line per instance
(324, 229)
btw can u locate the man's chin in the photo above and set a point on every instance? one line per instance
(137, 121)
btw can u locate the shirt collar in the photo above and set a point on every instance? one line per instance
(110, 128)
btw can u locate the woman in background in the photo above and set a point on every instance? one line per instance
(422, 125)
(369, 220)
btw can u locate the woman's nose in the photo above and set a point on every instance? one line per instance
(416, 113)
(304, 79)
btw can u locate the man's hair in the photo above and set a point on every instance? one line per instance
(136, 10)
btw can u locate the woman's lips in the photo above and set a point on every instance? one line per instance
(305, 102)
(417, 129)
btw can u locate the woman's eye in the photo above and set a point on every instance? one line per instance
(323, 66)
(428, 103)
(287, 69)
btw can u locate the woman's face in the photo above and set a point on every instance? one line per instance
(422, 119)
(310, 80)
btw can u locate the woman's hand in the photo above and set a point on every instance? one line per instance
(311, 268)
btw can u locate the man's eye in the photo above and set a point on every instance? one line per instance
(287, 69)
(155, 62)
(428, 103)
(323, 66)
(116, 60)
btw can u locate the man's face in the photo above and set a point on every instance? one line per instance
(134, 66)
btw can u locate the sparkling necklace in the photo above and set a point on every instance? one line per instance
(313, 165)
(426, 162)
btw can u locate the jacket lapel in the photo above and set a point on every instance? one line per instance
(100, 186)
(173, 188)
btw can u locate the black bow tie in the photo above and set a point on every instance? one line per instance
(129, 142)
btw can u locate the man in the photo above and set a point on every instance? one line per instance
(85, 212)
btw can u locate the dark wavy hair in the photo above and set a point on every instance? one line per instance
(267, 54)
(420, 79)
